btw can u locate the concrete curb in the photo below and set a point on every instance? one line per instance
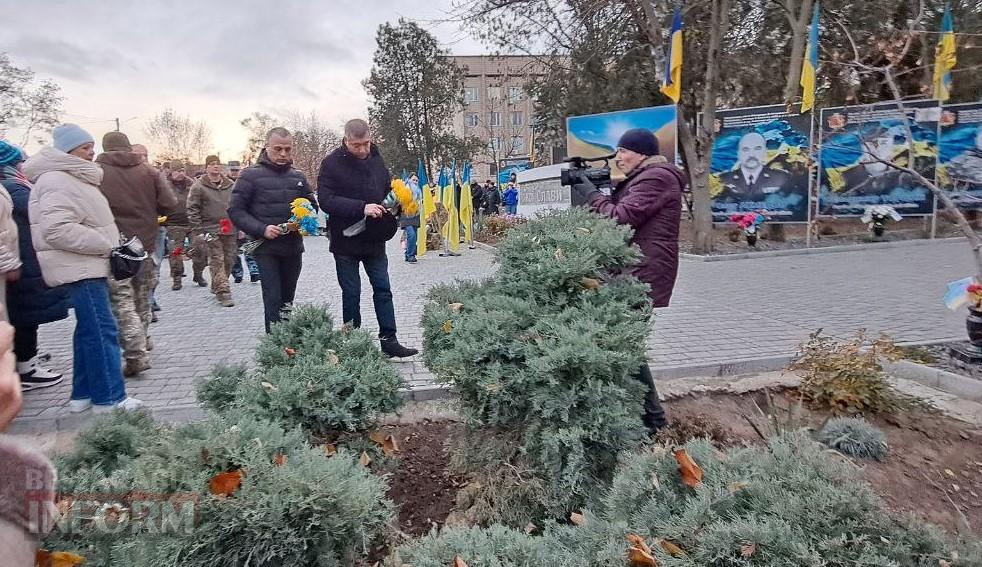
(820, 250)
(734, 367)
(485, 247)
(955, 384)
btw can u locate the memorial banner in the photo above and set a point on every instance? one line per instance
(860, 150)
(960, 154)
(596, 135)
(760, 163)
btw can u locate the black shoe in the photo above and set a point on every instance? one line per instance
(238, 279)
(392, 348)
(31, 381)
(155, 307)
(153, 317)
(253, 278)
(411, 260)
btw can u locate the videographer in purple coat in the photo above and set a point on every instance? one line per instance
(649, 200)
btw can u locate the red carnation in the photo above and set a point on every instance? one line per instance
(225, 226)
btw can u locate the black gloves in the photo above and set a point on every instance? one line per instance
(584, 191)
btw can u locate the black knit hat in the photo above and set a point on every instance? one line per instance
(639, 140)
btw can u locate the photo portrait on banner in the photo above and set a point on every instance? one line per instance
(960, 154)
(860, 150)
(760, 163)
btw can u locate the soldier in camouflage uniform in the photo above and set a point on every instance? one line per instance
(179, 230)
(137, 195)
(208, 212)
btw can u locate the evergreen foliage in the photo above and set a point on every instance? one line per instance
(854, 436)
(790, 503)
(543, 353)
(310, 375)
(295, 506)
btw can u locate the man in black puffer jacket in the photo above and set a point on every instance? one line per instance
(260, 201)
(352, 184)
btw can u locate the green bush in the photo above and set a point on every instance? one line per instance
(295, 505)
(312, 376)
(543, 353)
(790, 503)
(110, 440)
(855, 437)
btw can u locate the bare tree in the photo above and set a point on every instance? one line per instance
(25, 103)
(503, 130)
(178, 137)
(258, 124)
(313, 140)
(894, 53)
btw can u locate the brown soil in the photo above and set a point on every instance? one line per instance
(421, 485)
(932, 458)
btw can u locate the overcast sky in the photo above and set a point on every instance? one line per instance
(216, 60)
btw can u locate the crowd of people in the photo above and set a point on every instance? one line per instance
(66, 215)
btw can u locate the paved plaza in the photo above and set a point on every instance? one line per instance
(722, 312)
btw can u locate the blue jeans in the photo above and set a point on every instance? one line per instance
(377, 268)
(410, 242)
(250, 263)
(98, 375)
(511, 209)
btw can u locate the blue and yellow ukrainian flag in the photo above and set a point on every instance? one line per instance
(466, 205)
(944, 58)
(427, 207)
(809, 65)
(673, 60)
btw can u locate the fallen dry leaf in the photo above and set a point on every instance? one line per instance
(590, 283)
(268, 386)
(943, 563)
(583, 230)
(364, 460)
(639, 555)
(735, 487)
(530, 527)
(332, 357)
(950, 473)
(279, 459)
(577, 519)
(390, 446)
(45, 558)
(654, 481)
(748, 550)
(458, 562)
(558, 254)
(226, 483)
(289, 351)
(447, 326)
(690, 471)
(330, 449)
(670, 548)
(456, 307)
(376, 437)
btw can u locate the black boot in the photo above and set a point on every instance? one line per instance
(391, 347)
(653, 415)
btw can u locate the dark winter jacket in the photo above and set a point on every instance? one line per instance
(137, 194)
(492, 200)
(345, 185)
(179, 216)
(29, 300)
(261, 196)
(650, 201)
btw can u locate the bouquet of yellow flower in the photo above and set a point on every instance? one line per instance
(303, 219)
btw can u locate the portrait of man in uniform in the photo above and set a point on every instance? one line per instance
(753, 180)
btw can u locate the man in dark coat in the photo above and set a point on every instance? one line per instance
(30, 303)
(352, 184)
(649, 199)
(260, 201)
(492, 198)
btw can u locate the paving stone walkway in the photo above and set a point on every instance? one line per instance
(722, 312)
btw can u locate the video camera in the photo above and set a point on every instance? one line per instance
(578, 170)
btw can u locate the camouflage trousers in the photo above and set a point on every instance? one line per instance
(223, 252)
(198, 255)
(131, 306)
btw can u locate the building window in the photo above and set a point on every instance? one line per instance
(517, 117)
(495, 144)
(494, 93)
(472, 119)
(494, 119)
(518, 144)
(515, 94)
(470, 94)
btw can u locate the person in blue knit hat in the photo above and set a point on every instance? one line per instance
(30, 303)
